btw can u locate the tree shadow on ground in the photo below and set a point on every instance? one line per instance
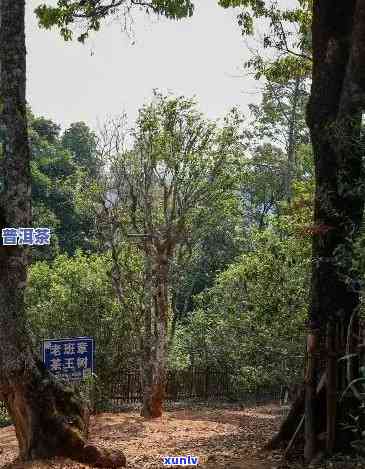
(233, 451)
(226, 438)
(237, 416)
(111, 426)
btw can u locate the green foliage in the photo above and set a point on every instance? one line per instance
(73, 296)
(43, 216)
(281, 104)
(92, 12)
(287, 35)
(251, 321)
(186, 163)
(213, 246)
(4, 416)
(81, 142)
(262, 185)
(173, 9)
(59, 166)
(45, 129)
(240, 267)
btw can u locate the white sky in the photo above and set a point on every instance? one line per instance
(69, 82)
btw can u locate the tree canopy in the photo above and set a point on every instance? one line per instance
(90, 13)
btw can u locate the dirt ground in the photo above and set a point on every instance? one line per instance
(221, 438)
(229, 437)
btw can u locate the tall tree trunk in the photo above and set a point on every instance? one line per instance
(49, 420)
(154, 369)
(334, 115)
(334, 119)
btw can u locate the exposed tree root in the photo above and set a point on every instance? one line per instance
(292, 425)
(101, 457)
(50, 420)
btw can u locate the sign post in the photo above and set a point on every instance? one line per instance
(71, 358)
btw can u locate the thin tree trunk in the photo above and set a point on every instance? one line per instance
(290, 424)
(49, 420)
(292, 140)
(310, 395)
(331, 388)
(147, 364)
(173, 324)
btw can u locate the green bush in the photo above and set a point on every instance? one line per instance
(73, 296)
(5, 419)
(250, 323)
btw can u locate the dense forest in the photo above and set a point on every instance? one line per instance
(226, 275)
(181, 243)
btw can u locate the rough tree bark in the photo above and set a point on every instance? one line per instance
(49, 420)
(334, 116)
(156, 322)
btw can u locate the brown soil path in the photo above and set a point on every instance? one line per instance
(229, 438)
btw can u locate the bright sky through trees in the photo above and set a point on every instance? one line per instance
(68, 82)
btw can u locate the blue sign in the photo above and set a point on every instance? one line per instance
(71, 358)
